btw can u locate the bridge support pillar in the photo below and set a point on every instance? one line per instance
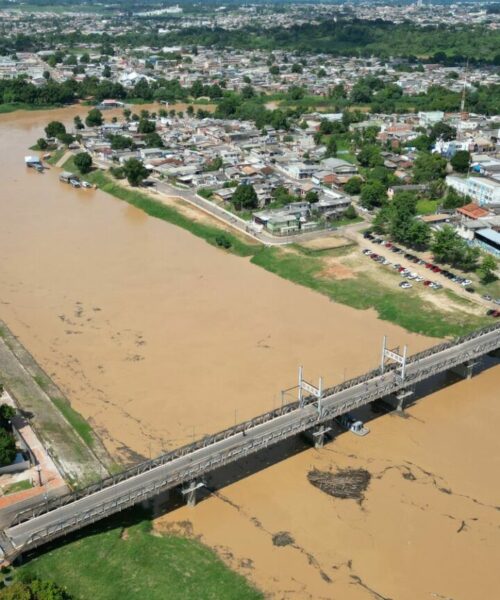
(398, 400)
(464, 370)
(189, 491)
(319, 434)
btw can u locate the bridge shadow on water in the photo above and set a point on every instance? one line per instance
(224, 476)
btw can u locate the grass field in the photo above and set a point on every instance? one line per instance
(19, 486)
(13, 106)
(363, 292)
(130, 562)
(427, 207)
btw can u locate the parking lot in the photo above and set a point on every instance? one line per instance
(414, 270)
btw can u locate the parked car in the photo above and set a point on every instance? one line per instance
(405, 285)
(487, 297)
(470, 289)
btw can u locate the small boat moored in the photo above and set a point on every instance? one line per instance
(348, 423)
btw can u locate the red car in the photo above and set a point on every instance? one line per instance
(428, 265)
(427, 282)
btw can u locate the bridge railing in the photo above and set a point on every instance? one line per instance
(52, 504)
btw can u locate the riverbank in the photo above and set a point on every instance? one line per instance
(125, 558)
(72, 443)
(416, 311)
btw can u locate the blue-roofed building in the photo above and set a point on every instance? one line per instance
(489, 240)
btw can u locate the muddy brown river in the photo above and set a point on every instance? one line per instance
(157, 337)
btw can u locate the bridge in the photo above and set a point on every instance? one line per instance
(312, 412)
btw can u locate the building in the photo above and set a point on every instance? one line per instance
(489, 240)
(482, 190)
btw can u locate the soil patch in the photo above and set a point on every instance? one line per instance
(345, 484)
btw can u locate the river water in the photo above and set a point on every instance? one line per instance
(157, 337)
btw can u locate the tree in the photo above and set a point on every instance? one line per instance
(297, 68)
(373, 194)
(7, 412)
(126, 113)
(106, 72)
(244, 197)
(461, 161)
(42, 144)
(78, 122)
(214, 165)
(350, 212)
(83, 161)
(449, 247)
(353, 186)
(7, 447)
(331, 147)
(369, 156)
(428, 167)
(418, 235)
(311, 197)
(94, 118)
(487, 270)
(54, 128)
(153, 140)
(85, 58)
(454, 200)
(274, 70)
(146, 126)
(442, 131)
(135, 171)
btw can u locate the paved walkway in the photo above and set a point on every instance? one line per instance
(45, 477)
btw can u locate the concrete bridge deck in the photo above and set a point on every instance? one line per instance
(186, 466)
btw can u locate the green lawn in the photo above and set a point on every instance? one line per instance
(427, 207)
(114, 562)
(406, 309)
(75, 419)
(13, 106)
(19, 486)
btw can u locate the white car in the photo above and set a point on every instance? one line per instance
(466, 282)
(419, 278)
(405, 285)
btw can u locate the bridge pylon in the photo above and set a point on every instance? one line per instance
(395, 356)
(465, 370)
(189, 491)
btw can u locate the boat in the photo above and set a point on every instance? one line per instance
(32, 161)
(348, 423)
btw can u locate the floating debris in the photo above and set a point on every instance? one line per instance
(283, 538)
(346, 484)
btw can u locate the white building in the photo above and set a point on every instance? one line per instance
(481, 189)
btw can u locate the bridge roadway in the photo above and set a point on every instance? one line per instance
(50, 520)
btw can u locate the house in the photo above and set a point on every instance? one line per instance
(106, 104)
(472, 211)
(338, 166)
